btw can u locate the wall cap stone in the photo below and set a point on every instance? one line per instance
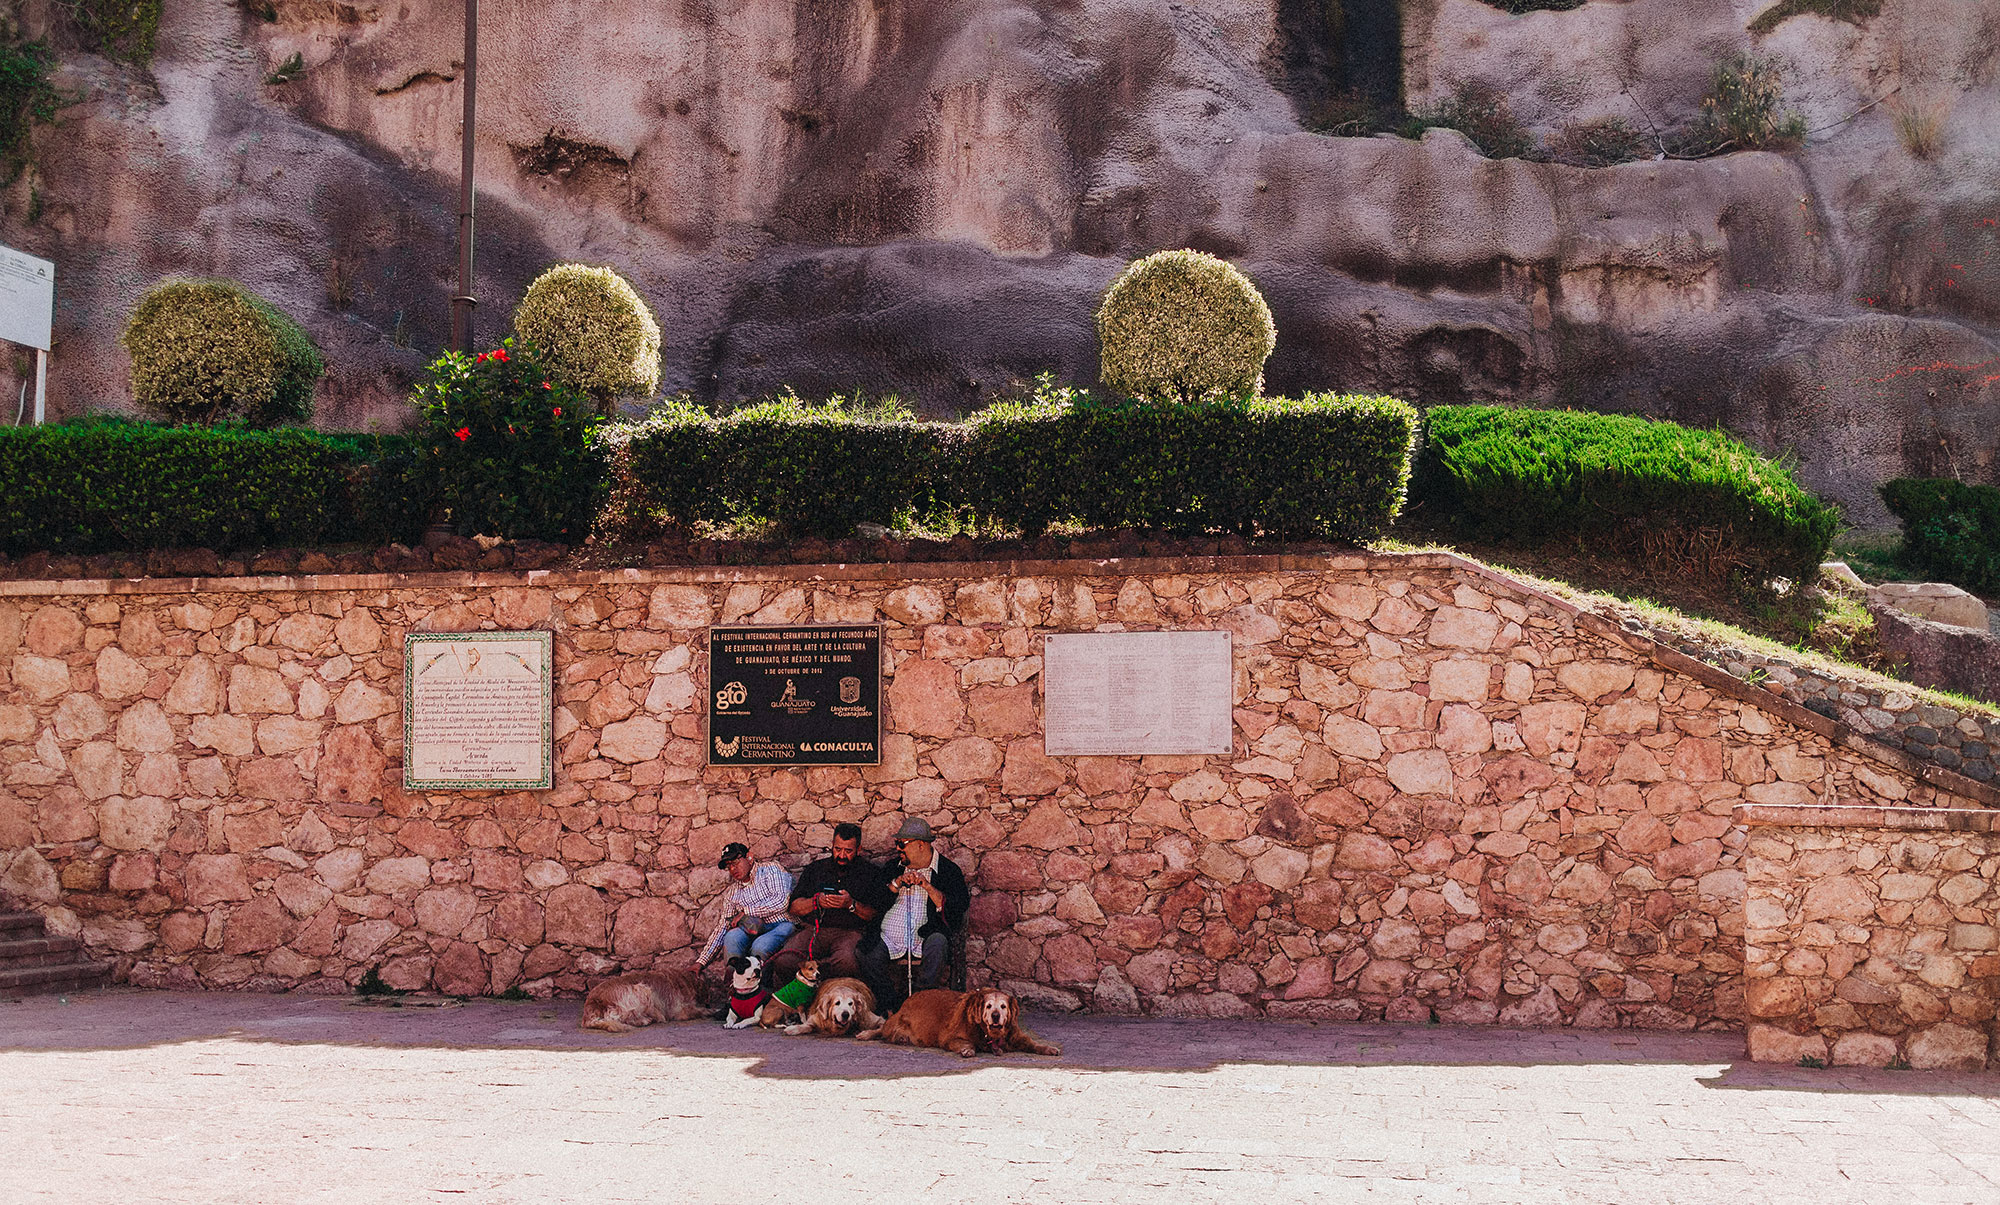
(1953, 820)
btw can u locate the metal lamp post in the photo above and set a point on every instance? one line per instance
(461, 305)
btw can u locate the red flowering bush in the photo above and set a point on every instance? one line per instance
(512, 447)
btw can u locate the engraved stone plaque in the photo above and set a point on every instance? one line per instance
(804, 696)
(1108, 694)
(477, 711)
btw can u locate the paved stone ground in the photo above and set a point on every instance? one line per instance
(161, 1097)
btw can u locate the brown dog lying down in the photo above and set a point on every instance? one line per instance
(628, 1002)
(839, 1008)
(966, 1023)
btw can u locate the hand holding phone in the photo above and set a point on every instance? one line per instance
(833, 899)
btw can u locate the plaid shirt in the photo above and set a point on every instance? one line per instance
(765, 896)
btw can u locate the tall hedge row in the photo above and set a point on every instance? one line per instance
(113, 486)
(1322, 466)
(1624, 485)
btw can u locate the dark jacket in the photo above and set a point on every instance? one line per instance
(950, 882)
(861, 879)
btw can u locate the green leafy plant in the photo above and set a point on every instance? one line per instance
(1812, 1061)
(371, 984)
(1700, 502)
(510, 446)
(1482, 114)
(1532, 6)
(27, 99)
(113, 486)
(1182, 326)
(1743, 111)
(118, 29)
(208, 350)
(1854, 12)
(289, 70)
(1951, 530)
(595, 331)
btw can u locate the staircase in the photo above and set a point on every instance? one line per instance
(31, 961)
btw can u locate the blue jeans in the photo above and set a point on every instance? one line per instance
(760, 938)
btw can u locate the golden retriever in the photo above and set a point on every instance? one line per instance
(965, 1023)
(628, 1002)
(840, 1007)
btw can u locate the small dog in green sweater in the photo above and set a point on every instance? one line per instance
(789, 1001)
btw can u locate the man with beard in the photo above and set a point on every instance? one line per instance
(834, 903)
(929, 904)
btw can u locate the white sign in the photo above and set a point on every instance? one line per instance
(27, 299)
(1110, 694)
(477, 711)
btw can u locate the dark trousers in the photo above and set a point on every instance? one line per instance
(892, 981)
(832, 948)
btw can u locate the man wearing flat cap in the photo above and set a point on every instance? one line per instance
(930, 905)
(754, 919)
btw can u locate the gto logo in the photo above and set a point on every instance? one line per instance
(733, 695)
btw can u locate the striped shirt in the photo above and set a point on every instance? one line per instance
(765, 896)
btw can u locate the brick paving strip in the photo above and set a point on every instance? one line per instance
(167, 1097)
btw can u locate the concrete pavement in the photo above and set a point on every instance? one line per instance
(136, 1096)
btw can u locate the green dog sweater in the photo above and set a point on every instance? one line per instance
(794, 995)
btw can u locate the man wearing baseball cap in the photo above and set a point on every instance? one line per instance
(753, 919)
(931, 902)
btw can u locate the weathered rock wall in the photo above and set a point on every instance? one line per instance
(1449, 794)
(929, 199)
(1872, 936)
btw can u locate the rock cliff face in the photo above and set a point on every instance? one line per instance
(929, 197)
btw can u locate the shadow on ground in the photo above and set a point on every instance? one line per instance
(126, 1019)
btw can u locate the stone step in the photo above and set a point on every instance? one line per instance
(72, 976)
(20, 924)
(38, 951)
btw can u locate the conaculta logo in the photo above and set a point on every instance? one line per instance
(733, 695)
(727, 748)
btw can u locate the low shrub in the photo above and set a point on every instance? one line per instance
(208, 350)
(810, 469)
(1950, 529)
(118, 29)
(1318, 467)
(27, 99)
(111, 486)
(1323, 466)
(1920, 123)
(1743, 111)
(510, 447)
(595, 331)
(1695, 501)
(1181, 326)
(1482, 114)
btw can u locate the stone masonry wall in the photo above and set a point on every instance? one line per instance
(1872, 935)
(1450, 795)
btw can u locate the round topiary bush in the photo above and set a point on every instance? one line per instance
(1180, 326)
(594, 331)
(208, 350)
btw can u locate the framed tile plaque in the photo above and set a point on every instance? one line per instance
(804, 696)
(478, 711)
(1112, 694)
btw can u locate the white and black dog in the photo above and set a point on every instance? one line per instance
(747, 993)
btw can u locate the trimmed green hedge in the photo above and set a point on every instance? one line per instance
(1700, 500)
(1323, 466)
(1950, 529)
(108, 486)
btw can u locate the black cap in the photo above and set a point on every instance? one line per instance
(731, 852)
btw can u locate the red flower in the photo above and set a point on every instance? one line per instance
(462, 434)
(558, 411)
(546, 385)
(480, 358)
(499, 353)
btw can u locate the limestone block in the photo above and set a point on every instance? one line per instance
(679, 608)
(1938, 602)
(143, 823)
(43, 678)
(1947, 1047)
(254, 690)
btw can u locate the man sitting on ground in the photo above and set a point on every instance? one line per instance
(930, 905)
(755, 917)
(833, 905)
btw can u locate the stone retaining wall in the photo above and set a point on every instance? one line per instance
(1872, 935)
(1450, 795)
